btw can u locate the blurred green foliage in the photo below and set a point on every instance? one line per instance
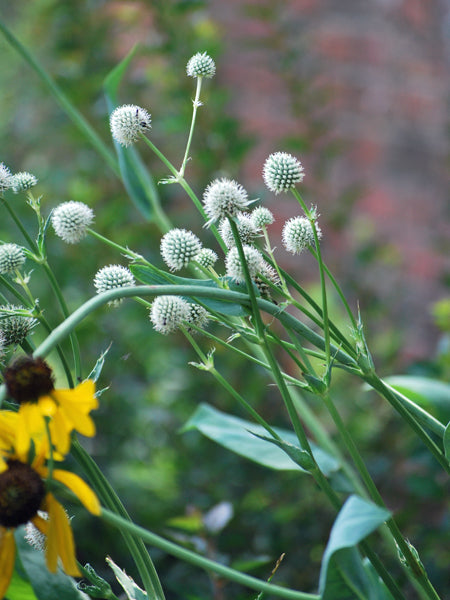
(160, 474)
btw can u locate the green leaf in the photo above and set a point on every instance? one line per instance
(154, 276)
(430, 394)
(137, 180)
(447, 441)
(343, 574)
(19, 589)
(239, 436)
(132, 591)
(46, 585)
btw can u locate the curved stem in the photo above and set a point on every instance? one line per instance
(204, 563)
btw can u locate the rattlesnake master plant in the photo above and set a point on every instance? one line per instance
(236, 299)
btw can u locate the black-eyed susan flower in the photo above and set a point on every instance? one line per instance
(29, 381)
(23, 497)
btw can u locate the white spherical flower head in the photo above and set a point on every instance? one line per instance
(233, 265)
(298, 234)
(70, 221)
(261, 216)
(206, 258)
(224, 198)
(167, 313)
(282, 172)
(14, 328)
(12, 257)
(5, 178)
(23, 181)
(127, 122)
(201, 65)
(112, 277)
(179, 247)
(247, 231)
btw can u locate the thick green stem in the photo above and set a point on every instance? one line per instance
(204, 563)
(109, 497)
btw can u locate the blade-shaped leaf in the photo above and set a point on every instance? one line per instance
(343, 575)
(430, 394)
(132, 591)
(447, 441)
(154, 276)
(46, 585)
(137, 180)
(238, 435)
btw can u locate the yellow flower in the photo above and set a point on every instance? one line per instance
(29, 381)
(23, 493)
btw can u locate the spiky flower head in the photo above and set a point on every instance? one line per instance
(282, 172)
(207, 258)
(198, 315)
(266, 272)
(12, 257)
(247, 231)
(261, 216)
(224, 198)
(298, 234)
(201, 65)
(127, 122)
(167, 313)
(14, 328)
(233, 265)
(23, 181)
(112, 277)
(179, 247)
(5, 178)
(70, 221)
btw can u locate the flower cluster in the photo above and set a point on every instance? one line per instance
(70, 221)
(127, 122)
(201, 65)
(44, 422)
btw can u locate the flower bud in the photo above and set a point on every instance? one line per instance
(298, 234)
(179, 247)
(12, 257)
(5, 178)
(112, 277)
(168, 313)
(14, 328)
(201, 65)
(23, 181)
(246, 230)
(70, 221)
(234, 267)
(224, 198)
(207, 258)
(282, 171)
(127, 122)
(261, 216)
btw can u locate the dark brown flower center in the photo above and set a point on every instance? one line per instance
(28, 378)
(21, 494)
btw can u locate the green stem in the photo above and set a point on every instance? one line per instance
(207, 363)
(109, 497)
(189, 191)
(417, 571)
(202, 562)
(63, 101)
(196, 103)
(17, 221)
(125, 251)
(326, 326)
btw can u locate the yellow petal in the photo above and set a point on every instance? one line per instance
(7, 558)
(81, 489)
(83, 395)
(60, 433)
(60, 540)
(41, 524)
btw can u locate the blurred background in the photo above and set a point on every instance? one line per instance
(359, 92)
